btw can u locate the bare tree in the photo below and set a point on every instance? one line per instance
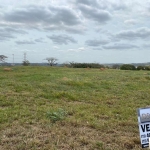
(2, 58)
(51, 61)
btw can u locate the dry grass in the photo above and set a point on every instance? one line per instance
(65, 136)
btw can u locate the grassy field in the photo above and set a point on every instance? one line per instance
(48, 108)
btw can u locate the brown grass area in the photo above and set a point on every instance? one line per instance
(65, 136)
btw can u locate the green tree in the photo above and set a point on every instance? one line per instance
(127, 67)
(25, 63)
(147, 67)
(86, 65)
(140, 68)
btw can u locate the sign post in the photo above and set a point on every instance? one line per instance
(144, 126)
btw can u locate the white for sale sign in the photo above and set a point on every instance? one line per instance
(144, 126)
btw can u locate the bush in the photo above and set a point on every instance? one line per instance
(140, 68)
(147, 67)
(127, 67)
(56, 115)
(26, 63)
(86, 65)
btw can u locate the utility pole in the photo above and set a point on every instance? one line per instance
(13, 60)
(25, 62)
(25, 56)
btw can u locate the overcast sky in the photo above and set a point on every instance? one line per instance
(101, 31)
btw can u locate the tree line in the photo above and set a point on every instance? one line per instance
(85, 65)
(52, 61)
(132, 67)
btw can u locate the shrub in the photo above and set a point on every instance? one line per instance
(56, 115)
(86, 65)
(147, 67)
(127, 67)
(140, 68)
(26, 63)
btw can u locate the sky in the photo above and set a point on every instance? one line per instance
(89, 31)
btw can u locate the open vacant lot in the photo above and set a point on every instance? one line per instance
(50, 108)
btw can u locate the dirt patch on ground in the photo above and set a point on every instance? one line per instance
(65, 79)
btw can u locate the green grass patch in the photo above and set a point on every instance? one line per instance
(98, 108)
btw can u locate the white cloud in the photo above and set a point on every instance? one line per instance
(67, 29)
(139, 33)
(42, 17)
(80, 49)
(9, 33)
(97, 15)
(120, 46)
(39, 40)
(25, 42)
(130, 22)
(62, 39)
(96, 42)
(55, 47)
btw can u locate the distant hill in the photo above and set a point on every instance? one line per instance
(141, 64)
